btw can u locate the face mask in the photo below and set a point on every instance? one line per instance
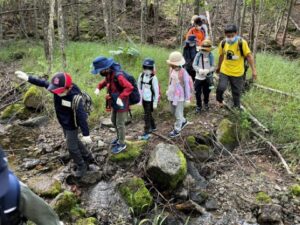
(192, 44)
(231, 40)
(148, 72)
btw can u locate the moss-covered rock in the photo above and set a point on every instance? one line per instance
(45, 186)
(33, 98)
(226, 134)
(77, 213)
(167, 166)
(64, 203)
(263, 197)
(295, 190)
(87, 221)
(136, 195)
(17, 110)
(133, 150)
(200, 151)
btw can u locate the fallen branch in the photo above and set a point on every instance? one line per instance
(294, 22)
(164, 138)
(273, 149)
(12, 91)
(4, 106)
(276, 91)
(255, 120)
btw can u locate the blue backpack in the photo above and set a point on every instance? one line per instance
(134, 97)
(9, 203)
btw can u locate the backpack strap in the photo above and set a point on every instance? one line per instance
(75, 103)
(210, 55)
(240, 42)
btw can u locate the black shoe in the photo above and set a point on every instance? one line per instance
(206, 107)
(89, 159)
(80, 171)
(198, 109)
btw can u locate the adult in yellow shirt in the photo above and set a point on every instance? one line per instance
(231, 65)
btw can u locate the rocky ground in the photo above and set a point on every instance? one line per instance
(205, 176)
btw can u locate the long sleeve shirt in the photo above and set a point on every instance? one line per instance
(203, 60)
(149, 88)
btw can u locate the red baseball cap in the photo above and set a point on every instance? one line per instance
(60, 82)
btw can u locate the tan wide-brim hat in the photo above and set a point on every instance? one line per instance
(176, 59)
(206, 45)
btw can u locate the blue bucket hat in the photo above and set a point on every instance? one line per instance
(101, 63)
(191, 39)
(4, 174)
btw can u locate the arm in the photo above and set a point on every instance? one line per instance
(187, 89)
(139, 82)
(102, 84)
(195, 63)
(155, 89)
(81, 117)
(127, 87)
(36, 209)
(252, 65)
(38, 82)
(212, 63)
(221, 58)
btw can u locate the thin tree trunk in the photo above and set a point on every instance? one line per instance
(237, 17)
(36, 19)
(107, 20)
(244, 9)
(180, 21)
(1, 26)
(51, 35)
(156, 15)
(277, 28)
(252, 28)
(287, 22)
(233, 11)
(44, 17)
(142, 20)
(210, 33)
(261, 5)
(22, 20)
(61, 32)
(214, 22)
(196, 7)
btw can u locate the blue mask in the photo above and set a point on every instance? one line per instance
(232, 40)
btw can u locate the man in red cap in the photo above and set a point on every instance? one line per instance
(18, 203)
(64, 92)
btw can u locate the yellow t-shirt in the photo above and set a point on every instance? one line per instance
(233, 62)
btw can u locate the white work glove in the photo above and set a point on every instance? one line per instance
(97, 91)
(61, 223)
(120, 102)
(86, 140)
(154, 105)
(187, 102)
(21, 75)
(205, 71)
(201, 71)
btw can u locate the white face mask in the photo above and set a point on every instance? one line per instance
(230, 40)
(192, 44)
(148, 72)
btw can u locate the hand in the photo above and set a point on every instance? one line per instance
(187, 102)
(254, 75)
(120, 102)
(97, 91)
(61, 223)
(201, 71)
(87, 140)
(21, 75)
(154, 105)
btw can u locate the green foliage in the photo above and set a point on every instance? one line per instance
(126, 54)
(295, 190)
(263, 197)
(17, 110)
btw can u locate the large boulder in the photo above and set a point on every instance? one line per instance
(136, 195)
(201, 151)
(33, 98)
(226, 134)
(167, 165)
(15, 110)
(45, 186)
(270, 214)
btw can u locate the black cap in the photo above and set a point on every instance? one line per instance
(231, 28)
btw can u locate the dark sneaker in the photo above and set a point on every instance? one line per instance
(115, 142)
(184, 124)
(153, 129)
(198, 109)
(206, 107)
(174, 133)
(89, 159)
(80, 171)
(118, 148)
(144, 137)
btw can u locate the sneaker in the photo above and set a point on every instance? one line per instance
(174, 133)
(198, 109)
(183, 125)
(118, 148)
(80, 171)
(144, 137)
(153, 129)
(115, 142)
(206, 107)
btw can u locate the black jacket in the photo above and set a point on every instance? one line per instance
(63, 108)
(189, 54)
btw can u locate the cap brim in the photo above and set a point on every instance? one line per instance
(4, 180)
(55, 89)
(95, 71)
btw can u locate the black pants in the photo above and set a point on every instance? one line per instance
(149, 120)
(77, 150)
(236, 84)
(202, 87)
(191, 72)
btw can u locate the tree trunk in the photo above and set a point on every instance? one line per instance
(243, 18)
(107, 19)
(156, 16)
(237, 17)
(233, 11)
(261, 5)
(22, 20)
(142, 20)
(1, 26)
(75, 20)
(51, 34)
(252, 28)
(210, 33)
(180, 22)
(278, 25)
(36, 19)
(291, 3)
(44, 17)
(61, 32)
(196, 7)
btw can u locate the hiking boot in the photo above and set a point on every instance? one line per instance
(153, 129)
(183, 125)
(198, 109)
(114, 142)
(89, 159)
(144, 137)
(81, 170)
(118, 148)
(174, 133)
